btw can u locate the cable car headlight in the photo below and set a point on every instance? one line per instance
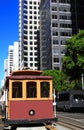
(76, 100)
(31, 112)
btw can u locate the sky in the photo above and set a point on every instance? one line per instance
(8, 29)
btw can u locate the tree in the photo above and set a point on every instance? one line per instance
(73, 61)
(56, 74)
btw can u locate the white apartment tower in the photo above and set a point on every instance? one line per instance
(28, 27)
(5, 68)
(13, 55)
(16, 56)
(10, 59)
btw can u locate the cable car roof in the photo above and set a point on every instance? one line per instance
(26, 75)
(26, 72)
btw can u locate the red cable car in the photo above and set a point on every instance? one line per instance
(29, 98)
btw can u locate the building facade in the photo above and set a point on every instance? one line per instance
(57, 21)
(11, 63)
(77, 9)
(55, 29)
(28, 36)
(10, 58)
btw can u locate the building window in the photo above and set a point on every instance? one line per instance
(35, 53)
(54, 24)
(31, 48)
(25, 32)
(35, 59)
(31, 42)
(31, 59)
(56, 60)
(35, 32)
(30, 27)
(54, 1)
(30, 7)
(31, 53)
(25, 59)
(35, 27)
(55, 42)
(25, 65)
(36, 64)
(30, 32)
(30, 17)
(35, 37)
(35, 22)
(25, 2)
(35, 17)
(25, 37)
(30, 2)
(65, 33)
(34, 3)
(55, 33)
(25, 11)
(25, 47)
(34, 7)
(30, 12)
(25, 7)
(31, 64)
(25, 21)
(54, 8)
(35, 12)
(30, 37)
(35, 48)
(25, 27)
(30, 22)
(54, 16)
(25, 53)
(25, 42)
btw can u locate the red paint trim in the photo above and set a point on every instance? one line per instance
(20, 109)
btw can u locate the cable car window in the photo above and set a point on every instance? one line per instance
(31, 90)
(16, 90)
(45, 89)
(79, 97)
(64, 97)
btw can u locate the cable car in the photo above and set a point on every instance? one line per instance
(29, 99)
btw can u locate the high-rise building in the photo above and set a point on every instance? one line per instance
(11, 63)
(10, 59)
(5, 68)
(55, 29)
(77, 11)
(57, 21)
(28, 36)
(16, 56)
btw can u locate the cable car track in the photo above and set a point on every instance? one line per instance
(70, 123)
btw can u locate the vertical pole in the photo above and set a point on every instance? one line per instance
(82, 82)
(54, 104)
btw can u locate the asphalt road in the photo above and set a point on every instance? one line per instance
(77, 116)
(74, 115)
